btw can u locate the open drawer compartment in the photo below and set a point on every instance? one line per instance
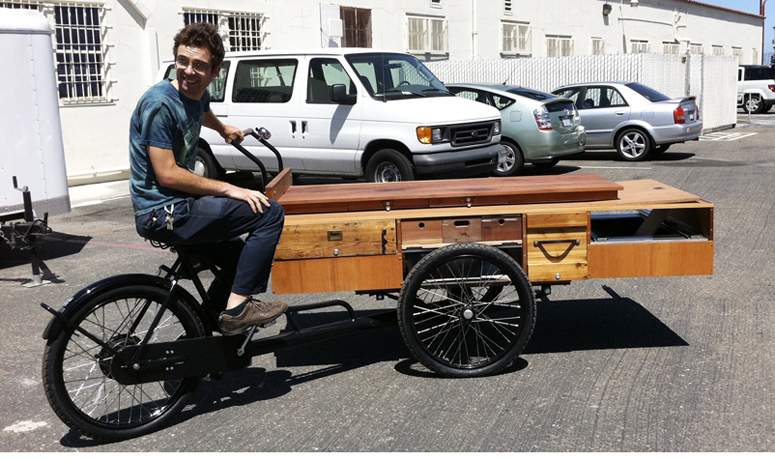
(658, 242)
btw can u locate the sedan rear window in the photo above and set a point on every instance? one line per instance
(648, 93)
(559, 106)
(534, 95)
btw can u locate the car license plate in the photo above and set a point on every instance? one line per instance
(566, 121)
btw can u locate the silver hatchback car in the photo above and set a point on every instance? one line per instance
(633, 118)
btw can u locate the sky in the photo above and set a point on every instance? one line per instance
(752, 6)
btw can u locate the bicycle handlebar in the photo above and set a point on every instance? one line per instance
(261, 134)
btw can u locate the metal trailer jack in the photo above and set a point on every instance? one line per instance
(25, 235)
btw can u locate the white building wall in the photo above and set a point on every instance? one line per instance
(141, 34)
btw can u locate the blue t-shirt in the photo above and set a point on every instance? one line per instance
(166, 119)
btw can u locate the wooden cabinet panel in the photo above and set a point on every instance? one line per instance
(339, 239)
(365, 273)
(670, 258)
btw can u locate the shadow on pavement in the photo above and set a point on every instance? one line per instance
(598, 324)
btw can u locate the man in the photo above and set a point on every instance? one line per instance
(175, 206)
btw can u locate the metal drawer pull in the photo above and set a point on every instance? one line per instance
(570, 243)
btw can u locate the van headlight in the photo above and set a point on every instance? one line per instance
(496, 129)
(429, 135)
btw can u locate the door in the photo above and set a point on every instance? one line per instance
(264, 94)
(329, 132)
(602, 110)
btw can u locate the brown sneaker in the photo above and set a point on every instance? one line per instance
(255, 312)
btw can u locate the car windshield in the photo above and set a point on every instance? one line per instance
(535, 95)
(648, 93)
(395, 76)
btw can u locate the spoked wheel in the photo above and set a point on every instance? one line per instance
(466, 310)
(77, 371)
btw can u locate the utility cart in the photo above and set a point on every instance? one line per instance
(461, 257)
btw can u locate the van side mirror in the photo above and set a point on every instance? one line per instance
(339, 95)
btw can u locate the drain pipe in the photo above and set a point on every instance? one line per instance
(761, 13)
(474, 31)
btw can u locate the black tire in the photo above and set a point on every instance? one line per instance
(466, 310)
(633, 144)
(389, 165)
(753, 104)
(76, 371)
(206, 166)
(510, 163)
(546, 164)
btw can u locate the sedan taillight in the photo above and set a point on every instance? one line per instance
(771, 87)
(543, 119)
(679, 116)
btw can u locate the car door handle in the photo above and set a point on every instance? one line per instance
(293, 127)
(304, 127)
(620, 113)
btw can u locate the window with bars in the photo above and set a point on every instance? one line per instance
(671, 48)
(696, 48)
(598, 46)
(739, 53)
(426, 34)
(557, 46)
(640, 46)
(517, 38)
(243, 30)
(718, 50)
(356, 23)
(80, 49)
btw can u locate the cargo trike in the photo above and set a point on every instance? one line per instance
(463, 259)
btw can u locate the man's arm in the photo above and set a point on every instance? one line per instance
(209, 120)
(170, 175)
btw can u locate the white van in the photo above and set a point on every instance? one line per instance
(349, 113)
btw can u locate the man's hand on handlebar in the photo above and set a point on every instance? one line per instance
(232, 133)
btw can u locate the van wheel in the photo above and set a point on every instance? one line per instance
(753, 105)
(206, 166)
(510, 162)
(389, 165)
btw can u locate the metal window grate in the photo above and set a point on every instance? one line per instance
(80, 53)
(79, 50)
(516, 38)
(241, 31)
(426, 34)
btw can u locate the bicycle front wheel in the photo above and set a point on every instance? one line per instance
(77, 371)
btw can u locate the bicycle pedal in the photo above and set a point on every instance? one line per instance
(270, 323)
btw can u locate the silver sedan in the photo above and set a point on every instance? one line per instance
(632, 118)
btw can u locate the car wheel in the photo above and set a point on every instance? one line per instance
(633, 144)
(753, 105)
(546, 164)
(206, 165)
(510, 162)
(389, 165)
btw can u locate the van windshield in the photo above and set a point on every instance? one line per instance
(395, 76)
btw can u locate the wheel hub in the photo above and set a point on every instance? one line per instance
(118, 343)
(468, 314)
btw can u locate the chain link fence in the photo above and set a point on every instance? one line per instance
(712, 79)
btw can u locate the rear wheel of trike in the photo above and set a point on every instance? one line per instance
(466, 310)
(77, 371)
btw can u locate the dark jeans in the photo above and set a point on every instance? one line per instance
(212, 226)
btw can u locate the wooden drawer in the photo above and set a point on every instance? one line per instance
(462, 230)
(556, 247)
(342, 239)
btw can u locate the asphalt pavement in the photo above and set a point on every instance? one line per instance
(681, 364)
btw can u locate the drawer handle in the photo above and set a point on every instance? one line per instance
(570, 243)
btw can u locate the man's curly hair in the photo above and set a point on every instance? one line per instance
(201, 35)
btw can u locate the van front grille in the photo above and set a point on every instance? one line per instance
(480, 133)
